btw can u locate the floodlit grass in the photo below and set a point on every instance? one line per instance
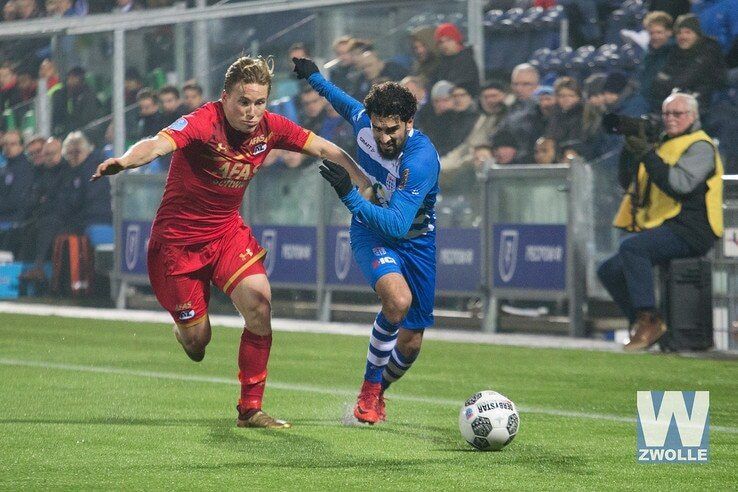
(112, 405)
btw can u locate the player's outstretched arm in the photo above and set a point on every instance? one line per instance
(324, 149)
(345, 105)
(142, 152)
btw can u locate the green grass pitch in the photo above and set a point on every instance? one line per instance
(112, 405)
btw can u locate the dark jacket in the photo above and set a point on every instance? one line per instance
(459, 69)
(699, 69)
(47, 191)
(73, 110)
(16, 182)
(652, 64)
(566, 128)
(84, 202)
(527, 126)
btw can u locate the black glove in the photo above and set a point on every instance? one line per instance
(304, 67)
(638, 145)
(337, 176)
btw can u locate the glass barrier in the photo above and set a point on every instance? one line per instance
(140, 197)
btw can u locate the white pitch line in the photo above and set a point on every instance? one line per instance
(313, 389)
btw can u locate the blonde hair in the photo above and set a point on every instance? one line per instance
(247, 70)
(659, 17)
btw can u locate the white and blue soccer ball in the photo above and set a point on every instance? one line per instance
(489, 421)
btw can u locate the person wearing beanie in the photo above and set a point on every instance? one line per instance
(456, 61)
(696, 64)
(425, 54)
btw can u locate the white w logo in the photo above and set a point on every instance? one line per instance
(656, 427)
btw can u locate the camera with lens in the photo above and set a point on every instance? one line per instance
(619, 124)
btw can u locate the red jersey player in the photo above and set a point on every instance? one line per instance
(198, 235)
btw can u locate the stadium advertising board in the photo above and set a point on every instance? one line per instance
(134, 235)
(291, 253)
(341, 268)
(458, 260)
(529, 256)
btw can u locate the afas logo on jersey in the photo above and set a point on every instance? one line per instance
(185, 315)
(258, 149)
(178, 125)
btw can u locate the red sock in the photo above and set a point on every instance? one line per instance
(253, 355)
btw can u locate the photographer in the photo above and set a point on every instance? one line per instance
(673, 206)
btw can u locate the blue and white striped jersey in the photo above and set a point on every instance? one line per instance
(406, 186)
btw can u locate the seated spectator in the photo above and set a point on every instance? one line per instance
(84, 203)
(505, 149)
(456, 62)
(376, 70)
(47, 70)
(694, 65)
(171, 105)
(312, 109)
(192, 92)
(44, 220)
(526, 126)
(416, 85)
(28, 85)
(10, 96)
(660, 42)
(621, 97)
(10, 11)
(150, 120)
(16, 180)
(342, 65)
(565, 124)
(66, 8)
(545, 151)
(132, 84)
(357, 47)
(460, 125)
(34, 148)
(337, 130)
(433, 123)
(523, 82)
(26, 9)
(425, 56)
(75, 104)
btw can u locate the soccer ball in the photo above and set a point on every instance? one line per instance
(489, 421)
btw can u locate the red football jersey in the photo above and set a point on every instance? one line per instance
(210, 170)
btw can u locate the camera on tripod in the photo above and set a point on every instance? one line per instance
(619, 124)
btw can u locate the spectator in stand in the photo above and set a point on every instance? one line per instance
(83, 204)
(312, 109)
(337, 130)
(10, 11)
(416, 85)
(66, 8)
(171, 105)
(565, 124)
(524, 82)
(456, 62)
(695, 65)
(150, 120)
(28, 85)
(342, 64)
(526, 126)
(545, 151)
(27, 9)
(16, 180)
(425, 55)
(74, 105)
(433, 123)
(192, 92)
(621, 95)
(44, 220)
(505, 148)
(376, 70)
(660, 41)
(123, 6)
(459, 126)
(10, 97)
(357, 48)
(47, 70)
(34, 151)
(132, 84)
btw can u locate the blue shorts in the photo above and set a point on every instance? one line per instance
(416, 262)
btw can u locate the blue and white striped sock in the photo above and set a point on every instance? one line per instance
(381, 343)
(397, 366)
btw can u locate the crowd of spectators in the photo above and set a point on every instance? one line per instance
(473, 116)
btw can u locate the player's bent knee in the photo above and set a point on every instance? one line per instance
(259, 317)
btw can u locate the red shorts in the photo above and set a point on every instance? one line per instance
(181, 274)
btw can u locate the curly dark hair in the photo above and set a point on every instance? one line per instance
(391, 99)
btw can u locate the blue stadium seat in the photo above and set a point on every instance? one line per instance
(100, 234)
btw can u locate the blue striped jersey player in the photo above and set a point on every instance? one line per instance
(394, 240)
